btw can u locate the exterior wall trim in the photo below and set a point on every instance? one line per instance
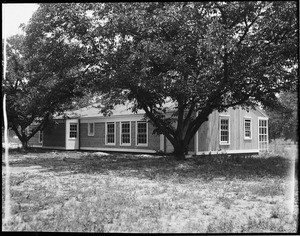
(118, 149)
(161, 143)
(53, 147)
(36, 145)
(196, 144)
(256, 151)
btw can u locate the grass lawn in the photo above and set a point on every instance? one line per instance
(100, 192)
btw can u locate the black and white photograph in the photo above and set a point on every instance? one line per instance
(150, 117)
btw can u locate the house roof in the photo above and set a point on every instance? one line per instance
(121, 109)
(95, 111)
(260, 112)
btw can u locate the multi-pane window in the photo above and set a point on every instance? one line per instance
(40, 136)
(247, 128)
(141, 133)
(263, 134)
(73, 130)
(125, 133)
(91, 128)
(224, 130)
(110, 133)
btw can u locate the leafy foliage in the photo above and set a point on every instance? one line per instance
(283, 121)
(198, 56)
(40, 82)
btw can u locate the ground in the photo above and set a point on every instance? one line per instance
(110, 192)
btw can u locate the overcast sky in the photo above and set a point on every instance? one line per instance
(13, 15)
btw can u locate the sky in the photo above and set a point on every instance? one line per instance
(13, 15)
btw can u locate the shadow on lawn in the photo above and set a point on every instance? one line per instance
(157, 167)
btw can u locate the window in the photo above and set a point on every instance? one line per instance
(40, 136)
(125, 133)
(73, 130)
(91, 129)
(247, 128)
(224, 130)
(110, 133)
(263, 134)
(142, 134)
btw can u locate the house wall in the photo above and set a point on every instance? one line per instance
(209, 132)
(98, 140)
(55, 135)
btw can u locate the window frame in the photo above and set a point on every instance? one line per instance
(40, 135)
(250, 119)
(266, 134)
(224, 117)
(121, 133)
(89, 129)
(136, 134)
(70, 124)
(106, 133)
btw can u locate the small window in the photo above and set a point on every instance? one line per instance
(142, 133)
(125, 133)
(110, 133)
(224, 130)
(73, 130)
(247, 128)
(91, 129)
(40, 136)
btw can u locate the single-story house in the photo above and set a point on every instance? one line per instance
(234, 131)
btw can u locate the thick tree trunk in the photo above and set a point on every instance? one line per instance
(24, 144)
(180, 151)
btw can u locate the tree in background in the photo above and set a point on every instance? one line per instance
(283, 119)
(199, 56)
(39, 84)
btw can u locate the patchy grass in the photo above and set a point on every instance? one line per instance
(279, 147)
(99, 192)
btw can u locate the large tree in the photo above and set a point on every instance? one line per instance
(38, 84)
(201, 56)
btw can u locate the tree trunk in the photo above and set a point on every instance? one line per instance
(24, 144)
(179, 152)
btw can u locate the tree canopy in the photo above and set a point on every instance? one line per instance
(202, 56)
(39, 84)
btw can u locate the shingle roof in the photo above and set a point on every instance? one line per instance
(95, 110)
